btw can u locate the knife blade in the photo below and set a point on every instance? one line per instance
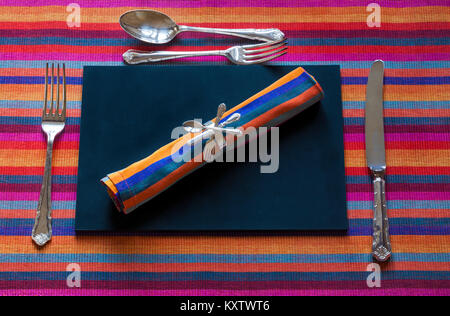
(376, 160)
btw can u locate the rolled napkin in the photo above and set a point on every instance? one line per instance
(140, 182)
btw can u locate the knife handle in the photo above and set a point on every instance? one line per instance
(382, 249)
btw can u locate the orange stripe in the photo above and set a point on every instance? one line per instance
(235, 15)
(23, 145)
(36, 158)
(402, 158)
(34, 92)
(402, 213)
(221, 267)
(400, 92)
(33, 112)
(402, 113)
(222, 244)
(10, 213)
(36, 72)
(431, 72)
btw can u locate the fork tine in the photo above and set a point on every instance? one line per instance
(52, 88)
(57, 93)
(251, 51)
(63, 113)
(262, 44)
(258, 61)
(44, 112)
(272, 52)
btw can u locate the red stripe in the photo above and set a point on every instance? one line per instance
(362, 171)
(37, 145)
(402, 145)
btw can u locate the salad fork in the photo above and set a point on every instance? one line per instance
(240, 55)
(53, 122)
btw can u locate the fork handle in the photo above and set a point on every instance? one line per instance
(266, 35)
(381, 241)
(42, 230)
(134, 57)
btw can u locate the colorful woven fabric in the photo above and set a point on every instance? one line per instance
(413, 39)
(137, 184)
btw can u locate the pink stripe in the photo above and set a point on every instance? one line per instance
(34, 196)
(401, 196)
(201, 292)
(28, 137)
(288, 57)
(224, 3)
(392, 137)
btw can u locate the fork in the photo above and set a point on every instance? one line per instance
(241, 55)
(53, 122)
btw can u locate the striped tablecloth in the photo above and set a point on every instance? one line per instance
(413, 40)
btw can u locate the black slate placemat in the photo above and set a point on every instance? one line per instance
(129, 112)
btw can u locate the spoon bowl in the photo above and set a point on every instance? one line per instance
(149, 26)
(154, 27)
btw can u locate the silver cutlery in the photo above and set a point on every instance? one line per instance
(157, 28)
(241, 55)
(213, 130)
(53, 122)
(197, 127)
(376, 160)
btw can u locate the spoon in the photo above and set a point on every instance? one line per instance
(157, 28)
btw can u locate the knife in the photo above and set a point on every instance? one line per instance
(376, 160)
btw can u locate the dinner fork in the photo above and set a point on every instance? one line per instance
(241, 55)
(53, 122)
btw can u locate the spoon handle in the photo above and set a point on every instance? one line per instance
(266, 35)
(134, 57)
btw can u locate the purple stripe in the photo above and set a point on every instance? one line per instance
(35, 187)
(359, 129)
(227, 285)
(34, 129)
(70, 33)
(33, 137)
(225, 3)
(402, 188)
(401, 196)
(397, 137)
(220, 292)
